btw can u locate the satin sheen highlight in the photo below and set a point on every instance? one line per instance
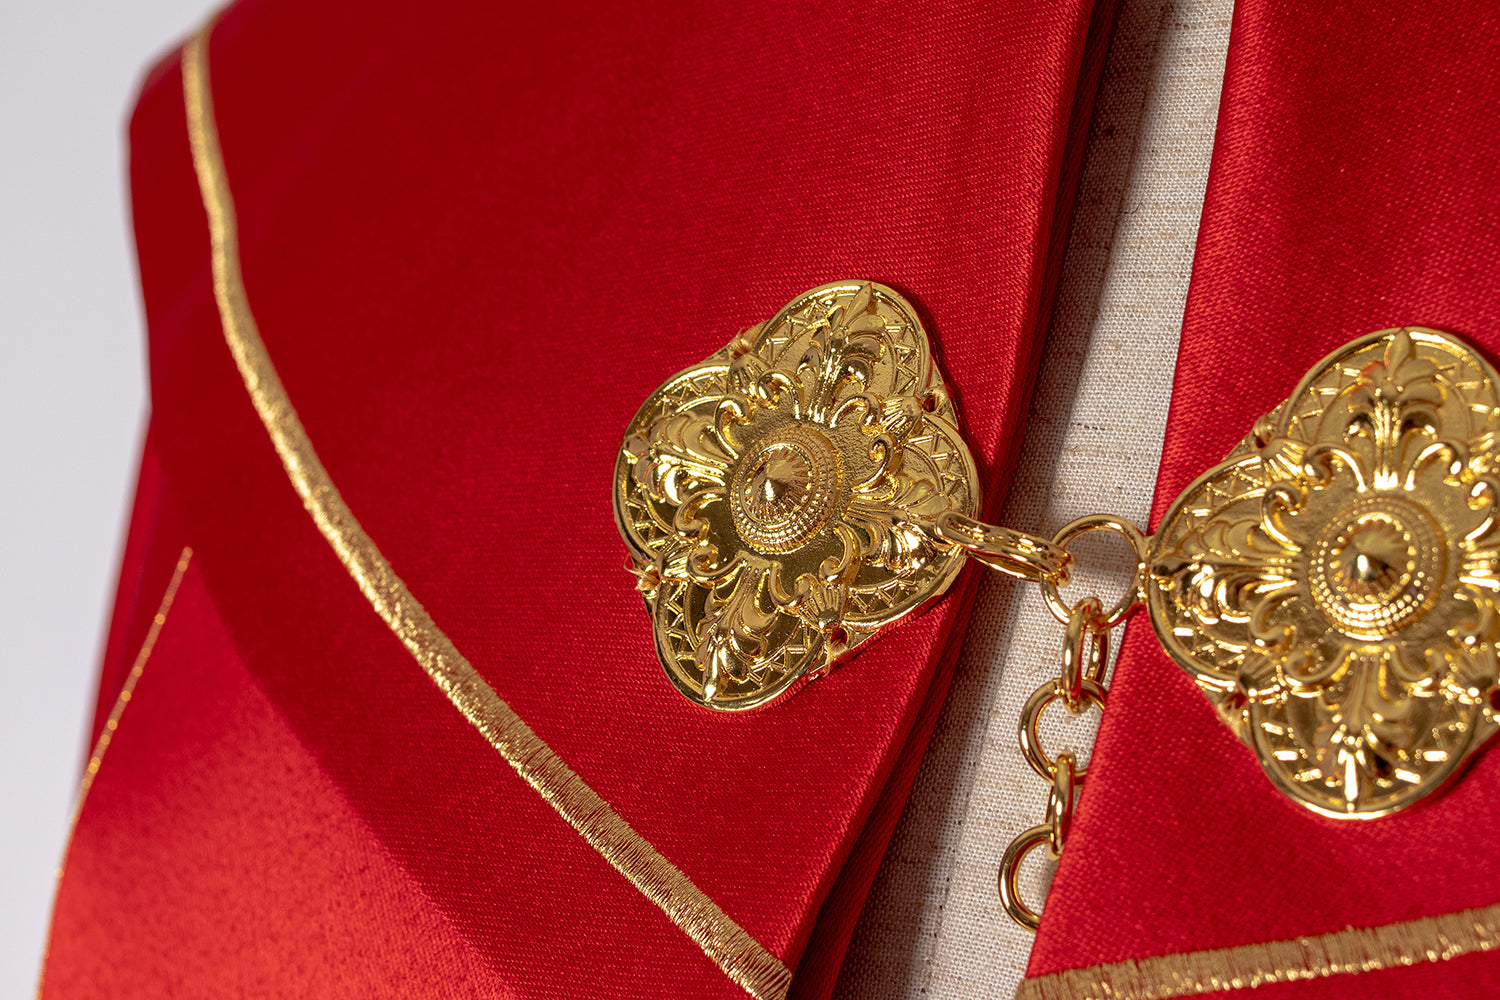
(743, 959)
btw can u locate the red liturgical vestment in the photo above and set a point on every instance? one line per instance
(1354, 188)
(397, 726)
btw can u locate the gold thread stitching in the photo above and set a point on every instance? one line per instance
(1354, 950)
(112, 723)
(741, 957)
(128, 688)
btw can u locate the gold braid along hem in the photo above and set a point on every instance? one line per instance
(729, 946)
(1356, 949)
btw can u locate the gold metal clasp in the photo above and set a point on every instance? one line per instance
(781, 500)
(1332, 584)
(1080, 685)
(1010, 552)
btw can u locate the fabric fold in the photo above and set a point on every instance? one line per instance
(1352, 189)
(473, 241)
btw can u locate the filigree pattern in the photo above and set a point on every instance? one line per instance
(1332, 585)
(778, 500)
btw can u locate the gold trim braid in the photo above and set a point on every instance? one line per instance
(730, 947)
(127, 689)
(1356, 949)
(107, 734)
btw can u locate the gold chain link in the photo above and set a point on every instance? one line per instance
(1060, 800)
(1085, 629)
(1011, 552)
(1085, 658)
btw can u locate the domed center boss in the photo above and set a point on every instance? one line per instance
(1330, 586)
(781, 499)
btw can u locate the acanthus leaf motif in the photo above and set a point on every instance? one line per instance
(778, 500)
(1332, 586)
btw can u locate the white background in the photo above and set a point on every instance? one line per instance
(72, 406)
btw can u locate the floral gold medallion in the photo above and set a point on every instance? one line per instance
(779, 500)
(1332, 584)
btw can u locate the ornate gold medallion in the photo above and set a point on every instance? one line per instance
(779, 500)
(1332, 584)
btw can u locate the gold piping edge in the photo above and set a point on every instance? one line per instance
(131, 679)
(743, 959)
(111, 724)
(1349, 951)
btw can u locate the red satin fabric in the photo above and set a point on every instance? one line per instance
(474, 240)
(217, 847)
(1355, 186)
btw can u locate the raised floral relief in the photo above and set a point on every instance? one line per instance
(1332, 585)
(778, 500)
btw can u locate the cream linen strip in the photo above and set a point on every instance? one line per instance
(1095, 439)
(1357, 949)
(741, 957)
(933, 927)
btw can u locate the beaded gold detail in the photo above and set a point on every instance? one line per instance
(1332, 584)
(781, 500)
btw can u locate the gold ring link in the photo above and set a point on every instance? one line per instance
(1085, 628)
(1085, 659)
(1132, 597)
(1060, 803)
(1010, 870)
(1013, 553)
(1031, 715)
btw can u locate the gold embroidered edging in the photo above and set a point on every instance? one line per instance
(741, 957)
(1356, 949)
(112, 723)
(128, 688)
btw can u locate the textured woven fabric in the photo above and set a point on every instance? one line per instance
(934, 926)
(475, 237)
(1348, 192)
(1345, 197)
(247, 834)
